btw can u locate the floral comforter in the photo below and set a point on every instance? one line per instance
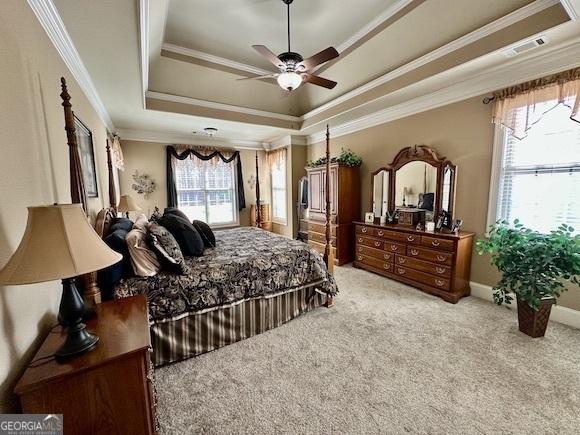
(247, 262)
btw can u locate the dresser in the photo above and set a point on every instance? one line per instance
(105, 391)
(344, 209)
(437, 263)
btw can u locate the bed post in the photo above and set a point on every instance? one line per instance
(112, 192)
(91, 293)
(328, 257)
(258, 209)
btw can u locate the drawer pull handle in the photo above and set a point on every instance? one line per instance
(387, 266)
(440, 270)
(435, 243)
(360, 249)
(410, 238)
(414, 252)
(360, 239)
(381, 233)
(360, 258)
(377, 244)
(394, 247)
(400, 271)
(439, 282)
(441, 258)
(387, 256)
(364, 230)
(402, 260)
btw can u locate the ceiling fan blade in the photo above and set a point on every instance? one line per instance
(320, 81)
(267, 53)
(267, 76)
(319, 58)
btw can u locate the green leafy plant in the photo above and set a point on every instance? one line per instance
(533, 264)
(346, 157)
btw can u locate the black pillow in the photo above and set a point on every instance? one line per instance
(109, 277)
(206, 233)
(167, 249)
(175, 211)
(124, 224)
(187, 237)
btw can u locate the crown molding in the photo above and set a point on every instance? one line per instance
(144, 45)
(50, 20)
(214, 59)
(559, 58)
(220, 106)
(571, 7)
(178, 138)
(482, 32)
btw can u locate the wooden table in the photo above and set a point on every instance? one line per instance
(105, 391)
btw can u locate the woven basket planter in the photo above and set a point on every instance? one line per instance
(532, 322)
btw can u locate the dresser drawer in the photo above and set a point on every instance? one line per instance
(423, 266)
(394, 248)
(376, 253)
(321, 228)
(422, 277)
(368, 241)
(429, 255)
(319, 247)
(374, 262)
(365, 231)
(321, 238)
(434, 242)
(398, 236)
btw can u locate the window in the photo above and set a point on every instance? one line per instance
(278, 172)
(537, 179)
(206, 191)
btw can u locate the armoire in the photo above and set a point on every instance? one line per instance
(344, 209)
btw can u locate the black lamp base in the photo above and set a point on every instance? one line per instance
(71, 311)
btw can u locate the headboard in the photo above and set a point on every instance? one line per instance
(104, 220)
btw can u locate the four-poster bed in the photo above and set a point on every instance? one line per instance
(250, 282)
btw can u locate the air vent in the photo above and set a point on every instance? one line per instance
(526, 46)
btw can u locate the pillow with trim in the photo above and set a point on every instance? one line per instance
(167, 249)
(187, 237)
(205, 232)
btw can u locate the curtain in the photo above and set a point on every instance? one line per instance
(276, 158)
(117, 153)
(563, 88)
(199, 155)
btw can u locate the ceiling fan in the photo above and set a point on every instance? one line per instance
(293, 67)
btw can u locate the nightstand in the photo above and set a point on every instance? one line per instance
(107, 390)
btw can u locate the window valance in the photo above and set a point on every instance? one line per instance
(199, 156)
(276, 158)
(532, 97)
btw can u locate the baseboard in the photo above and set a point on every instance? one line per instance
(566, 316)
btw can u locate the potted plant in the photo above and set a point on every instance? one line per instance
(533, 266)
(346, 157)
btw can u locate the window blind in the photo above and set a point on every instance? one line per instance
(540, 174)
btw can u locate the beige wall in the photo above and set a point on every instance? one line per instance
(34, 170)
(463, 133)
(149, 158)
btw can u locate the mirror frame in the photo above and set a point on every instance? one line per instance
(389, 171)
(426, 154)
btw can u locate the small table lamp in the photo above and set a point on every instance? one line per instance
(59, 243)
(127, 204)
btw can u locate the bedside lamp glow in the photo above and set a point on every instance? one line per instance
(59, 243)
(127, 204)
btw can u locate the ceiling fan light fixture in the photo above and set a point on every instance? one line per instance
(289, 80)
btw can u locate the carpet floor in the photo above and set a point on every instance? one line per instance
(385, 359)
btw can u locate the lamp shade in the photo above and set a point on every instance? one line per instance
(58, 243)
(126, 204)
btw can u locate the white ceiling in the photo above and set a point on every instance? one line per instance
(228, 28)
(108, 38)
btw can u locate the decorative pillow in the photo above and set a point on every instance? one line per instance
(175, 211)
(206, 233)
(141, 223)
(124, 224)
(167, 248)
(187, 237)
(143, 259)
(109, 277)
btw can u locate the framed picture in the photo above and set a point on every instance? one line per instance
(87, 156)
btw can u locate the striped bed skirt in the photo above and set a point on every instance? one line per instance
(191, 334)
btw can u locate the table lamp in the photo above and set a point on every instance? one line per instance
(59, 243)
(127, 204)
